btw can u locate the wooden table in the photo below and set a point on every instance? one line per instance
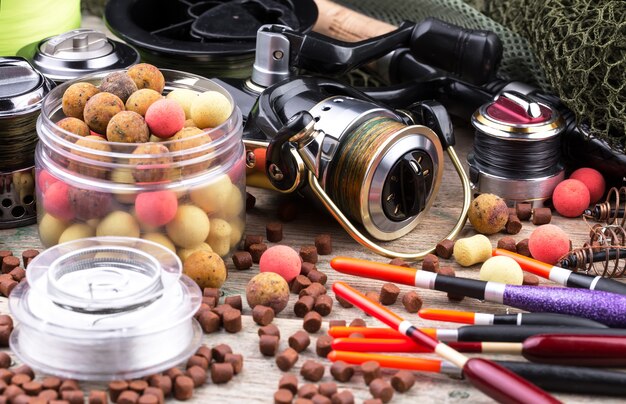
(260, 376)
(259, 379)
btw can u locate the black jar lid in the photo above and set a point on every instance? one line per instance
(78, 52)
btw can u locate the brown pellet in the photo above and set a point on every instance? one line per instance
(219, 352)
(268, 345)
(287, 211)
(204, 351)
(327, 389)
(251, 239)
(256, 250)
(530, 279)
(49, 394)
(20, 378)
(221, 372)
(312, 322)
(306, 267)
(399, 262)
(445, 248)
(24, 399)
(343, 397)
(6, 287)
(373, 401)
(299, 283)
(358, 322)
(28, 255)
(342, 371)
(242, 260)
(513, 225)
(324, 245)
(138, 385)
(412, 301)
(162, 382)
(128, 397)
(522, 248)
(53, 383)
(209, 321)
(308, 253)
(5, 360)
(5, 253)
(5, 332)
(197, 374)
(318, 276)
(315, 290)
(232, 320)
(220, 310)
(262, 315)
(9, 263)
(323, 345)
(430, 263)
(73, 396)
(97, 397)
(174, 373)
(286, 359)
(18, 274)
(155, 391)
(304, 305)
(403, 380)
(236, 361)
(289, 382)
(380, 388)
(211, 292)
(12, 391)
(196, 360)
(209, 301)
(307, 390)
(389, 293)
(270, 329)
(337, 323)
(250, 201)
(27, 370)
(323, 305)
(523, 211)
(183, 388)
(148, 399)
(283, 396)
(299, 341)
(343, 302)
(507, 243)
(541, 216)
(370, 370)
(32, 388)
(5, 319)
(274, 232)
(320, 399)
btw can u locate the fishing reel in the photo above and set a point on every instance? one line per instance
(371, 166)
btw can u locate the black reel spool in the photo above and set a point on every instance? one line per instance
(209, 38)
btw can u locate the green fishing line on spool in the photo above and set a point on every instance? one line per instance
(356, 155)
(26, 21)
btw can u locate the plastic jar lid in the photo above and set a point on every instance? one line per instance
(105, 308)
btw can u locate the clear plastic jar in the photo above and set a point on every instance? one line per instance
(189, 196)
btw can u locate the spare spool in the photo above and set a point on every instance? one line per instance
(209, 38)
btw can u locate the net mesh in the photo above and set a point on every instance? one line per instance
(575, 48)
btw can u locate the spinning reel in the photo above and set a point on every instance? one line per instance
(365, 162)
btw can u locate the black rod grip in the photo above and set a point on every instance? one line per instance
(515, 333)
(472, 55)
(551, 319)
(583, 281)
(570, 379)
(461, 286)
(610, 285)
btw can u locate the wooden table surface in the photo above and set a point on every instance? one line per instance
(259, 378)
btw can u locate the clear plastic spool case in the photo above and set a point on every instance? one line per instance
(105, 308)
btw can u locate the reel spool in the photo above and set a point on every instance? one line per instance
(22, 90)
(209, 38)
(516, 149)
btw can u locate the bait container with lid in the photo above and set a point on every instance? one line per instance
(105, 308)
(189, 194)
(517, 149)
